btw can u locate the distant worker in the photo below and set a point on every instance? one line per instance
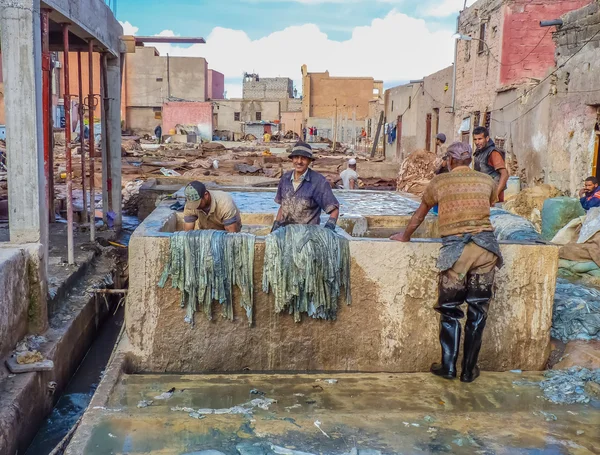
(303, 193)
(349, 176)
(490, 160)
(440, 140)
(315, 133)
(267, 137)
(467, 259)
(158, 133)
(311, 132)
(210, 209)
(590, 194)
(363, 135)
(304, 134)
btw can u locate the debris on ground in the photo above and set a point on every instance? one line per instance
(416, 172)
(576, 314)
(528, 203)
(145, 403)
(131, 196)
(165, 395)
(569, 386)
(244, 409)
(31, 343)
(28, 357)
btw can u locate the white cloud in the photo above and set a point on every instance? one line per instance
(129, 29)
(396, 47)
(446, 8)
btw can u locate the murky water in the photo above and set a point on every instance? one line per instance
(393, 414)
(78, 394)
(359, 203)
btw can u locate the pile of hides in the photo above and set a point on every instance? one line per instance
(508, 226)
(529, 202)
(582, 256)
(205, 265)
(416, 172)
(131, 196)
(576, 313)
(306, 266)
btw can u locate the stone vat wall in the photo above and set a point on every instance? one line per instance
(390, 326)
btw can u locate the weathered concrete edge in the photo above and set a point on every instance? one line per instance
(27, 400)
(95, 18)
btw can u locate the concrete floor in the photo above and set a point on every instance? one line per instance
(393, 414)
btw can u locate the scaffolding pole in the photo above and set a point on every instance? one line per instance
(67, 103)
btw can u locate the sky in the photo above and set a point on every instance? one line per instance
(390, 40)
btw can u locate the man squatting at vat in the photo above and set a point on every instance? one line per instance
(303, 193)
(210, 209)
(468, 257)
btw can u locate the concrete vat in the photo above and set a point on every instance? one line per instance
(390, 326)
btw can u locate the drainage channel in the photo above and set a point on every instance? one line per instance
(78, 393)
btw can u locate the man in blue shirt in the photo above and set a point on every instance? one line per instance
(304, 193)
(590, 194)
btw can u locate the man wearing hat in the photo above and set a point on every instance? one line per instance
(304, 193)
(210, 210)
(349, 176)
(467, 260)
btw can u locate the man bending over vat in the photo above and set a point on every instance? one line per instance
(468, 257)
(210, 209)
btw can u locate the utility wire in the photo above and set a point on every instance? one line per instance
(527, 92)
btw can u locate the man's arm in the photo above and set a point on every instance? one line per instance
(503, 180)
(352, 184)
(235, 227)
(414, 223)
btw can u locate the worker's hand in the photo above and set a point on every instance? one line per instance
(582, 192)
(331, 223)
(400, 237)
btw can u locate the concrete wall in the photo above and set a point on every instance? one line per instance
(142, 119)
(216, 85)
(294, 105)
(180, 113)
(14, 303)
(268, 88)
(478, 73)
(527, 48)
(402, 102)
(320, 91)
(292, 121)
(551, 133)
(226, 109)
(390, 326)
(146, 84)
(2, 114)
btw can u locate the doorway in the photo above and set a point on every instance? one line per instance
(428, 133)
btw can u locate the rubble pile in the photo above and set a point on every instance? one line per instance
(570, 386)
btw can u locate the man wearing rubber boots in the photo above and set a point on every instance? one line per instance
(468, 257)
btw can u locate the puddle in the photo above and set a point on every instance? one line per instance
(392, 414)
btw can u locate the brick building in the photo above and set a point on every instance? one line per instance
(324, 98)
(267, 88)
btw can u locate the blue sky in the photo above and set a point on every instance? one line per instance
(391, 40)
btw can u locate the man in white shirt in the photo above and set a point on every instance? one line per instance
(349, 176)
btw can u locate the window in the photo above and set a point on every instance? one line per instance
(236, 116)
(392, 105)
(159, 79)
(488, 120)
(482, 30)
(477, 119)
(467, 51)
(258, 116)
(409, 102)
